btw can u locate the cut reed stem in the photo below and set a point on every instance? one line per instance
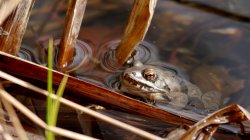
(136, 29)
(73, 23)
(15, 27)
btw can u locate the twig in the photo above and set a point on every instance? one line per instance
(4, 134)
(38, 121)
(16, 123)
(136, 29)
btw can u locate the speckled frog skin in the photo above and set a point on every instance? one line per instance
(156, 85)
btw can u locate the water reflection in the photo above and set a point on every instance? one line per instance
(145, 52)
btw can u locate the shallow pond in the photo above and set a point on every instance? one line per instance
(209, 50)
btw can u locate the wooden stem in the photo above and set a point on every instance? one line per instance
(73, 23)
(14, 27)
(14, 65)
(138, 23)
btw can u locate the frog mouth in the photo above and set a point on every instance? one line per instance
(141, 84)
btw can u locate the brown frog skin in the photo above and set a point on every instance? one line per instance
(157, 85)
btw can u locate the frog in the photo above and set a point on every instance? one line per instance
(154, 84)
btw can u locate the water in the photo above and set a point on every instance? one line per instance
(145, 52)
(206, 49)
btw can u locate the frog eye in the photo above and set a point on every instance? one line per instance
(149, 74)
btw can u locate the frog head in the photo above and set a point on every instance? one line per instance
(146, 80)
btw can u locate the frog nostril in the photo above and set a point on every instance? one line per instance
(134, 73)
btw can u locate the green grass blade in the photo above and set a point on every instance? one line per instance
(49, 134)
(56, 103)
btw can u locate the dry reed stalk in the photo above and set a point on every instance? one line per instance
(16, 123)
(205, 128)
(8, 130)
(10, 63)
(6, 7)
(3, 124)
(66, 133)
(80, 108)
(136, 29)
(73, 21)
(15, 26)
(5, 135)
